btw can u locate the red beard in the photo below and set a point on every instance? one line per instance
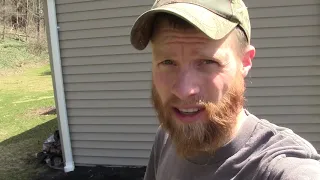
(205, 135)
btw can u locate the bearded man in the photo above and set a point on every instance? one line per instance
(201, 55)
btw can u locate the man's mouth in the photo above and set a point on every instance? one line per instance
(189, 111)
(189, 114)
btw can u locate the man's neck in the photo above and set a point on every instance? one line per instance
(241, 117)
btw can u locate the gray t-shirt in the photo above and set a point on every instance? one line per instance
(260, 151)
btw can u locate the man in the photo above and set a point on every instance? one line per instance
(201, 55)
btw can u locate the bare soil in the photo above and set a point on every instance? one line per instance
(46, 111)
(95, 173)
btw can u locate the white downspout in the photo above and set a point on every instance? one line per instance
(59, 88)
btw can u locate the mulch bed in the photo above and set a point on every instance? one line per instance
(96, 173)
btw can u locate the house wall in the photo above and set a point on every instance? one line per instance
(107, 82)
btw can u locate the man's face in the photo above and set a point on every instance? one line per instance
(198, 88)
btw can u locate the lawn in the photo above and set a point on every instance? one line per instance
(25, 94)
(15, 54)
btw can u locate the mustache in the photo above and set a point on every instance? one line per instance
(197, 100)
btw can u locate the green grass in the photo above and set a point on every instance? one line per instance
(16, 53)
(23, 129)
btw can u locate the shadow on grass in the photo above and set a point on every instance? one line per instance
(18, 153)
(21, 163)
(39, 132)
(46, 73)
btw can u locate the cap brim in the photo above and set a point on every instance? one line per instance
(213, 25)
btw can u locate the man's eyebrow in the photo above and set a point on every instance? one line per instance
(222, 58)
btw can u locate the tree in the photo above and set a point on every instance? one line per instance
(38, 20)
(22, 18)
(4, 19)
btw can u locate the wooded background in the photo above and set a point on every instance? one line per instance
(22, 19)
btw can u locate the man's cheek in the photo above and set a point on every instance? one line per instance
(162, 80)
(217, 87)
(161, 87)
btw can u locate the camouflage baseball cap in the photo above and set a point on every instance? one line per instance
(215, 18)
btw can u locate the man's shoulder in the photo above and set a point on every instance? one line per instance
(161, 137)
(292, 168)
(283, 138)
(283, 152)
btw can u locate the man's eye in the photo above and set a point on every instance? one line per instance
(167, 62)
(209, 61)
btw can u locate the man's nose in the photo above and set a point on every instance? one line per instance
(186, 85)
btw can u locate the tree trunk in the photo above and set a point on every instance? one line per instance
(4, 19)
(27, 20)
(43, 19)
(38, 20)
(17, 22)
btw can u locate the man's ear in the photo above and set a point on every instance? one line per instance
(249, 54)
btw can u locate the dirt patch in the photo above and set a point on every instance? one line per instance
(95, 173)
(44, 111)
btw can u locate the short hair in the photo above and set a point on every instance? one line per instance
(179, 23)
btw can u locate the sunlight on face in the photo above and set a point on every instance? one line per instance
(197, 88)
